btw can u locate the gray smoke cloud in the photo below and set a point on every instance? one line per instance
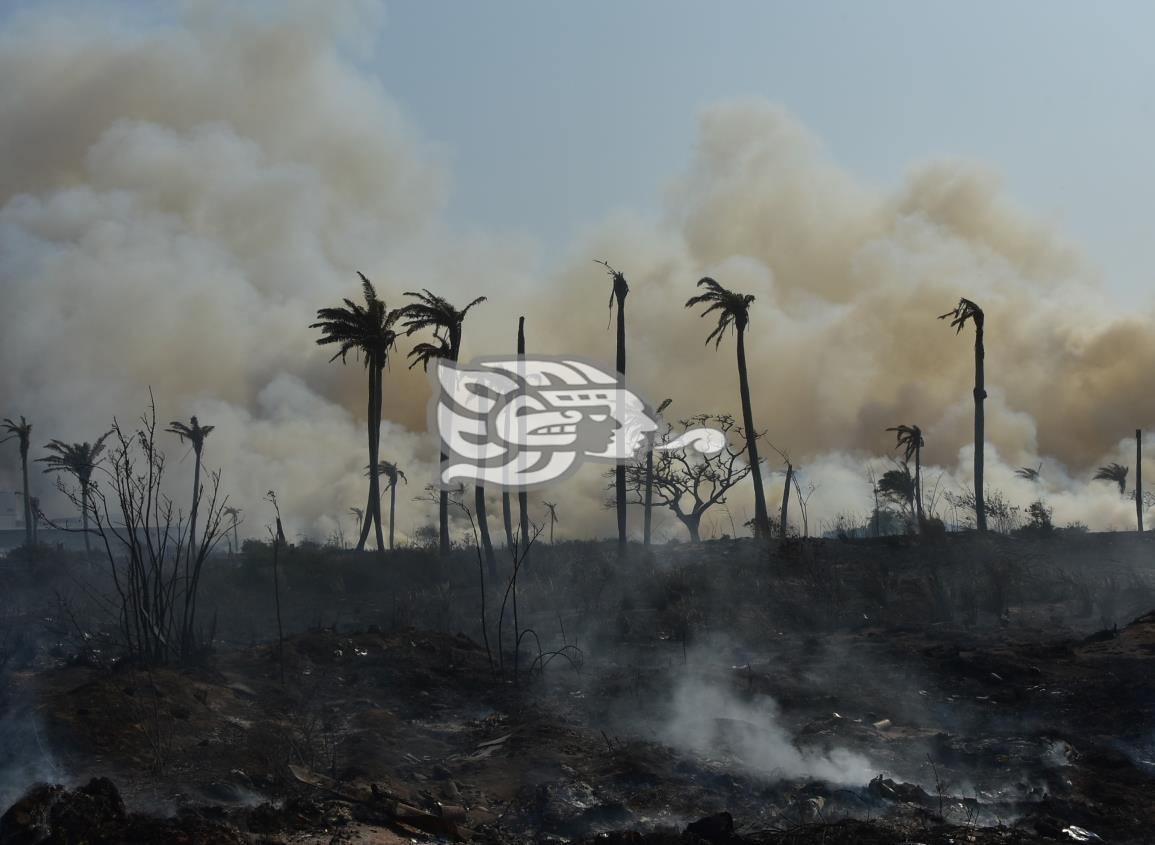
(179, 196)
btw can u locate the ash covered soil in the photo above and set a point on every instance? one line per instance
(970, 691)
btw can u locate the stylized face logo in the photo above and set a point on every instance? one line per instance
(518, 423)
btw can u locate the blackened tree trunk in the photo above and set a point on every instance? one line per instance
(1139, 479)
(785, 500)
(29, 529)
(980, 394)
(392, 509)
(373, 506)
(761, 515)
(507, 519)
(918, 487)
(522, 496)
(483, 527)
(621, 289)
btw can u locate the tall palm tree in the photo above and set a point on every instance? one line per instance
(431, 311)
(967, 310)
(22, 432)
(648, 498)
(1139, 480)
(552, 508)
(195, 434)
(1116, 473)
(618, 294)
(392, 474)
(522, 496)
(910, 441)
(734, 313)
(234, 514)
(78, 460)
(367, 331)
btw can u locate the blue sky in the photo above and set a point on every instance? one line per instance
(552, 114)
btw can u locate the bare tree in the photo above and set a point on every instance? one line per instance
(552, 508)
(155, 571)
(688, 482)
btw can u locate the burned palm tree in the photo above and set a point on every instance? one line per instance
(1116, 473)
(22, 433)
(392, 474)
(552, 508)
(431, 311)
(618, 294)
(195, 434)
(1139, 480)
(1033, 474)
(366, 331)
(967, 310)
(78, 460)
(910, 440)
(234, 515)
(734, 313)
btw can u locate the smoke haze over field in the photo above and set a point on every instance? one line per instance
(179, 196)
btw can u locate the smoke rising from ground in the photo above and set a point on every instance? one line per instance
(708, 719)
(179, 196)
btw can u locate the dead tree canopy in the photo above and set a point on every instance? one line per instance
(688, 482)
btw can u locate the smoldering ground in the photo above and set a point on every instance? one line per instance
(180, 193)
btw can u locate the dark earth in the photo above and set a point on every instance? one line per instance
(968, 690)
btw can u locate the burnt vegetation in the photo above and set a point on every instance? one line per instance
(176, 674)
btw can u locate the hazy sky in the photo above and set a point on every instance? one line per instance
(1056, 97)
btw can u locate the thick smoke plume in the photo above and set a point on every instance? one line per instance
(179, 195)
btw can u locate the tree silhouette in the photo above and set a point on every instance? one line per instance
(897, 486)
(366, 331)
(687, 482)
(22, 433)
(734, 313)
(392, 474)
(1030, 473)
(78, 460)
(910, 440)
(552, 508)
(1116, 473)
(618, 294)
(967, 310)
(431, 311)
(195, 434)
(234, 514)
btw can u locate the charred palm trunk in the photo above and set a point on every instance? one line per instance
(1139, 480)
(392, 510)
(782, 517)
(84, 517)
(507, 519)
(761, 515)
(373, 505)
(522, 496)
(483, 527)
(980, 394)
(29, 531)
(919, 517)
(620, 291)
